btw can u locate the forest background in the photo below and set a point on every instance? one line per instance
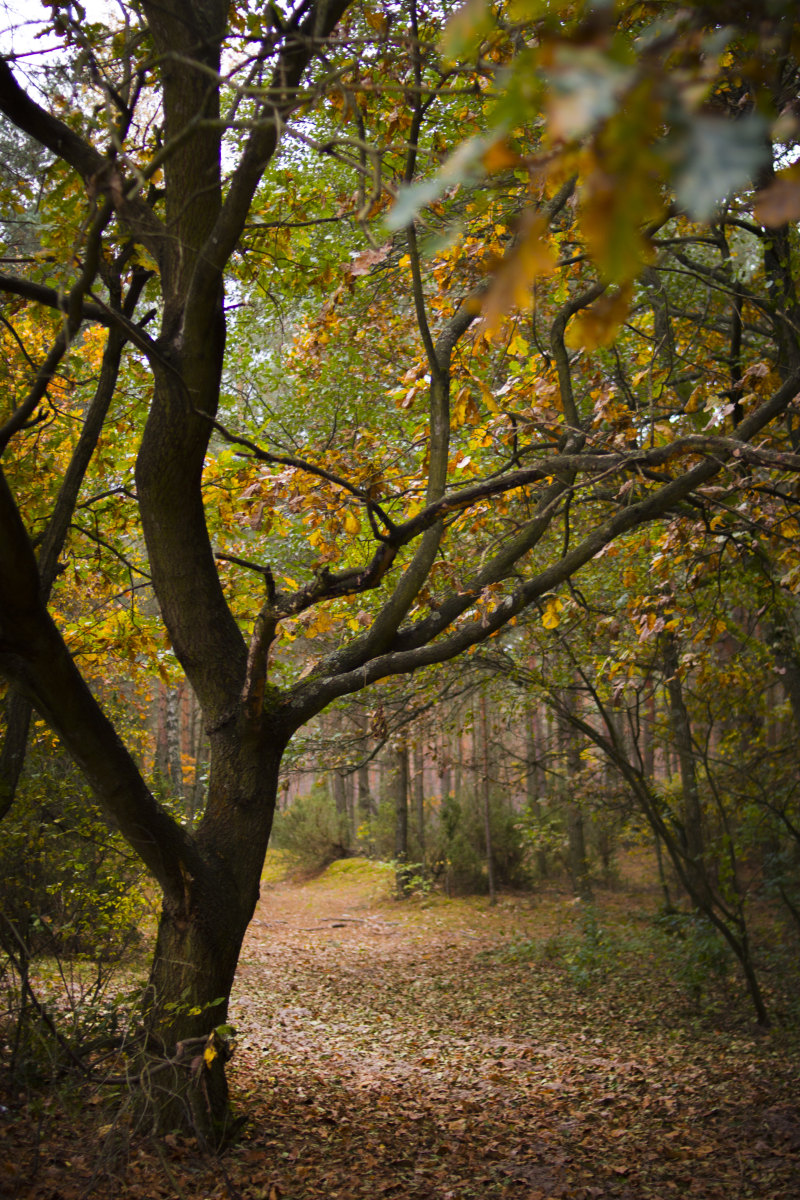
(400, 431)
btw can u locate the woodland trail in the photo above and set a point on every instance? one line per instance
(413, 1051)
(446, 1050)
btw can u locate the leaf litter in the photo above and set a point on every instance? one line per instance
(444, 1049)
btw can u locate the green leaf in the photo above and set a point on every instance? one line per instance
(467, 28)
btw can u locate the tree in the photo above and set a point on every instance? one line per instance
(164, 152)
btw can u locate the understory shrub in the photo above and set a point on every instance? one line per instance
(459, 841)
(73, 902)
(697, 955)
(311, 832)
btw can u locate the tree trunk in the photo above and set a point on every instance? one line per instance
(17, 714)
(400, 786)
(692, 809)
(199, 941)
(647, 736)
(662, 876)
(200, 756)
(444, 768)
(365, 806)
(339, 793)
(533, 783)
(173, 732)
(419, 796)
(576, 833)
(487, 800)
(458, 767)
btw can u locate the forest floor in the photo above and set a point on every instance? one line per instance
(443, 1049)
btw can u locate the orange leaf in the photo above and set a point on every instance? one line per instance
(531, 256)
(499, 156)
(599, 324)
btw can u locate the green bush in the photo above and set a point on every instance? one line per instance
(69, 885)
(459, 841)
(698, 956)
(312, 833)
(73, 902)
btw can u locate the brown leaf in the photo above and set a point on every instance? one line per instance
(779, 203)
(363, 263)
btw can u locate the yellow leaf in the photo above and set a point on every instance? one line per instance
(599, 324)
(209, 1054)
(376, 21)
(552, 608)
(351, 523)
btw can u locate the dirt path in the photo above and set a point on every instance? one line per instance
(448, 1051)
(390, 1049)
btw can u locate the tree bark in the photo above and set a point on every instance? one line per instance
(419, 795)
(534, 782)
(486, 791)
(400, 788)
(576, 833)
(199, 941)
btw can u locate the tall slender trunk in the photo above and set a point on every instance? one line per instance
(199, 752)
(445, 772)
(338, 792)
(534, 782)
(576, 832)
(647, 737)
(487, 800)
(458, 767)
(419, 795)
(174, 742)
(692, 813)
(400, 787)
(662, 875)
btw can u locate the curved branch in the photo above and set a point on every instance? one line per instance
(97, 171)
(417, 646)
(73, 316)
(51, 298)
